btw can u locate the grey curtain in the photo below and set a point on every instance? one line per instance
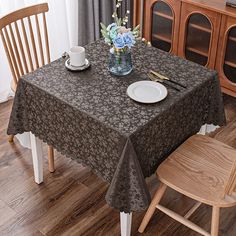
(92, 12)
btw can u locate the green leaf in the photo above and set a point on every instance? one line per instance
(119, 22)
(136, 33)
(103, 26)
(136, 28)
(104, 33)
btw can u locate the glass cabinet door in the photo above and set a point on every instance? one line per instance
(198, 37)
(162, 26)
(229, 66)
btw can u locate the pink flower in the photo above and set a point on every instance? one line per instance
(123, 30)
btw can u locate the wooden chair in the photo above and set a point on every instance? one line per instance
(22, 53)
(203, 169)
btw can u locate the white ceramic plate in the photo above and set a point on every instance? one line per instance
(77, 68)
(147, 91)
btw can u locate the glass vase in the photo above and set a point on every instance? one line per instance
(120, 63)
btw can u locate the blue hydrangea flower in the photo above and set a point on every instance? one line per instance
(112, 30)
(109, 27)
(113, 33)
(129, 39)
(118, 41)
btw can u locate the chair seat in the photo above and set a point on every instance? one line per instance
(200, 168)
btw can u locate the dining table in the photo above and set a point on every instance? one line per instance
(88, 116)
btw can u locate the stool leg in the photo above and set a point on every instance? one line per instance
(51, 167)
(11, 138)
(157, 197)
(215, 221)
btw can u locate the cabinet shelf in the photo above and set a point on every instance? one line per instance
(163, 37)
(164, 15)
(199, 27)
(232, 38)
(200, 51)
(230, 63)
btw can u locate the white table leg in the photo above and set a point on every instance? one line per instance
(24, 139)
(125, 223)
(37, 155)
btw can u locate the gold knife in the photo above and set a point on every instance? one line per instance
(166, 78)
(155, 79)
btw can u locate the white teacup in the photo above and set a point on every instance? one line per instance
(77, 56)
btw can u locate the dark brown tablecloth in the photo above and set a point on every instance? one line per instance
(88, 116)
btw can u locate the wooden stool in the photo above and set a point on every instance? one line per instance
(203, 169)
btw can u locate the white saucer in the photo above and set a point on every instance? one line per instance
(77, 68)
(147, 91)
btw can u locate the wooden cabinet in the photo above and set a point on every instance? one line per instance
(226, 56)
(198, 33)
(202, 31)
(162, 31)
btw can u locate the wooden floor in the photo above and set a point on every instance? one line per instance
(71, 200)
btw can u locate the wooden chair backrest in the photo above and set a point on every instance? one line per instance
(23, 57)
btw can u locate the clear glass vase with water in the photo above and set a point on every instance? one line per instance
(120, 62)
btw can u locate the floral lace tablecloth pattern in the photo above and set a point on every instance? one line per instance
(88, 116)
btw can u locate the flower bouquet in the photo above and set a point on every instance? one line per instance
(121, 39)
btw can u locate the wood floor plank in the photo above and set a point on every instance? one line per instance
(5, 213)
(90, 210)
(16, 226)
